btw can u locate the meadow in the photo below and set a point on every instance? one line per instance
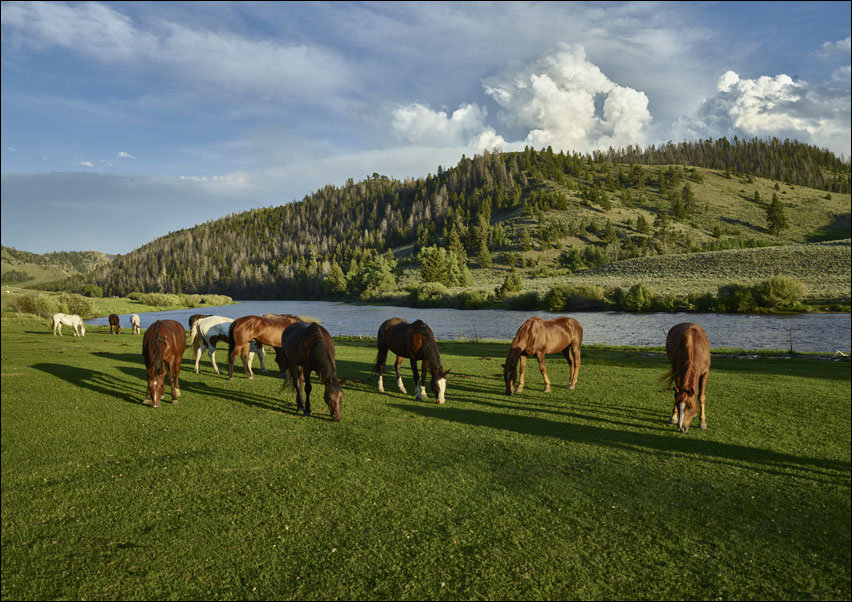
(584, 494)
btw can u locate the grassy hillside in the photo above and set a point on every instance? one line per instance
(585, 494)
(23, 268)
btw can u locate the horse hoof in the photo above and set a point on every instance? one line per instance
(440, 401)
(672, 421)
(702, 426)
(571, 386)
(147, 402)
(307, 414)
(381, 390)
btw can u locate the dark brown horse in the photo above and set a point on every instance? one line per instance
(689, 355)
(539, 337)
(265, 331)
(196, 317)
(162, 347)
(114, 323)
(415, 341)
(307, 348)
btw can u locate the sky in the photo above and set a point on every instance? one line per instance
(124, 121)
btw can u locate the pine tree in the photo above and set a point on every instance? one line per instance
(776, 218)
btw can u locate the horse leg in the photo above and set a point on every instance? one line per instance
(673, 419)
(212, 352)
(381, 357)
(571, 355)
(198, 353)
(424, 366)
(306, 374)
(399, 384)
(521, 372)
(260, 357)
(418, 393)
(174, 372)
(541, 366)
(702, 397)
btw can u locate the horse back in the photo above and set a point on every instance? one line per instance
(165, 338)
(688, 349)
(392, 334)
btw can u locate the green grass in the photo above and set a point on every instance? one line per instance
(585, 494)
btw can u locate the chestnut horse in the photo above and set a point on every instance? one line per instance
(206, 332)
(136, 324)
(265, 331)
(417, 342)
(689, 355)
(162, 347)
(307, 347)
(114, 323)
(539, 337)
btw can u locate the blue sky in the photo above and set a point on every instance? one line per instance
(123, 121)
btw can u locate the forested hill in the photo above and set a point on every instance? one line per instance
(501, 207)
(23, 267)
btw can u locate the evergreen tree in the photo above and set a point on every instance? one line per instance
(776, 218)
(336, 280)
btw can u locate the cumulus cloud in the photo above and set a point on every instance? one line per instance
(560, 100)
(418, 124)
(565, 101)
(123, 155)
(772, 106)
(87, 164)
(842, 47)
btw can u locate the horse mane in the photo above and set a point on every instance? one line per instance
(155, 351)
(320, 355)
(685, 364)
(429, 350)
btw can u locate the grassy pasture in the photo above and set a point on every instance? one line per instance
(585, 494)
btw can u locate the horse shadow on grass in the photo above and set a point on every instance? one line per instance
(689, 447)
(99, 382)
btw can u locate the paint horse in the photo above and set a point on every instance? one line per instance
(539, 337)
(72, 320)
(305, 348)
(136, 324)
(689, 355)
(114, 323)
(206, 332)
(162, 349)
(264, 331)
(195, 317)
(416, 342)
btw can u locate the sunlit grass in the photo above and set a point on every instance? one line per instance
(584, 494)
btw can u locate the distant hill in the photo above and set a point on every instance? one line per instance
(26, 269)
(543, 213)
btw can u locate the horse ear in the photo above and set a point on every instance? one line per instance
(502, 365)
(690, 391)
(447, 372)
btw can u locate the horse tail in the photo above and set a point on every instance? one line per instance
(194, 333)
(231, 343)
(320, 354)
(667, 380)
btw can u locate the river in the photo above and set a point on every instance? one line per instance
(809, 332)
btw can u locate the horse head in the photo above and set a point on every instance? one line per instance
(439, 383)
(687, 407)
(333, 396)
(510, 370)
(156, 382)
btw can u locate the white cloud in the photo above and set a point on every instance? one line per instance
(420, 125)
(565, 101)
(123, 155)
(842, 74)
(832, 48)
(86, 164)
(772, 106)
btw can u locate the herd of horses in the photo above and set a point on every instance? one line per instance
(302, 348)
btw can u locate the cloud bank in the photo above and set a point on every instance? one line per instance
(772, 106)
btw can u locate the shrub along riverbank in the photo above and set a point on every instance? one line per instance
(584, 494)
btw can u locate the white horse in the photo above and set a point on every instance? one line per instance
(206, 332)
(72, 320)
(136, 324)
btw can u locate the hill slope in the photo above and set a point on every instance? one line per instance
(26, 269)
(534, 209)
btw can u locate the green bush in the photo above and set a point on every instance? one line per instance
(475, 299)
(780, 291)
(92, 290)
(38, 305)
(735, 298)
(528, 300)
(428, 294)
(77, 304)
(564, 297)
(135, 295)
(639, 298)
(160, 299)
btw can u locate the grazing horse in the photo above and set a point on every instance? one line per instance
(689, 355)
(162, 347)
(72, 320)
(195, 317)
(208, 331)
(136, 324)
(265, 331)
(307, 347)
(417, 342)
(114, 323)
(539, 337)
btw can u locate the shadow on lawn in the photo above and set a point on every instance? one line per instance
(690, 446)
